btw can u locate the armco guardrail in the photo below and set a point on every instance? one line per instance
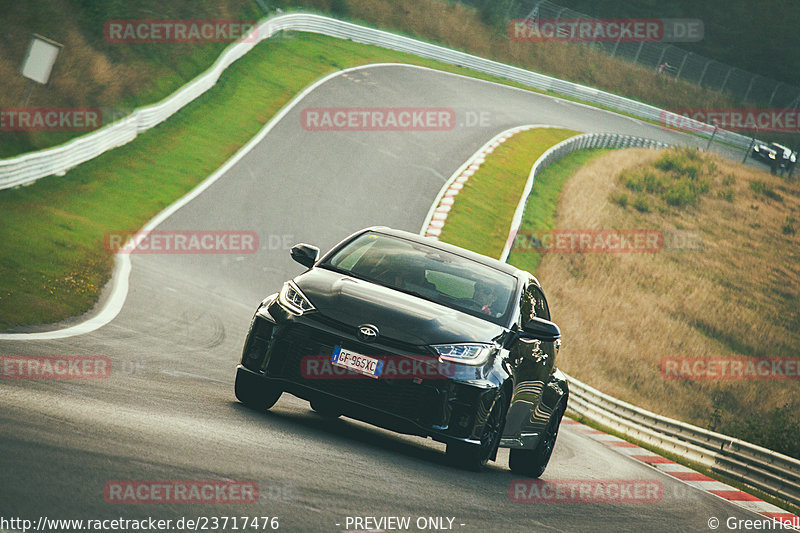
(33, 166)
(758, 467)
(762, 468)
(772, 472)
(554, 153)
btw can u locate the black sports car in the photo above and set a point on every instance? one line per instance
(417, 336)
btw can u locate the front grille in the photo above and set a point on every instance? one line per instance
(401, 397)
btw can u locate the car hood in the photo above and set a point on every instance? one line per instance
(397, 315)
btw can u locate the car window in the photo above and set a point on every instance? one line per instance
(533, 304)
(429, 273)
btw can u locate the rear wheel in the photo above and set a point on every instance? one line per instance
(474, 456)
(254, 392)
(532, 463)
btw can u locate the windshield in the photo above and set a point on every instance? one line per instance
(428, 273)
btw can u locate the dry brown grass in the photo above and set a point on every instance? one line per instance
(93, 73)
(459, 26)
(737, 296)
(84, 75)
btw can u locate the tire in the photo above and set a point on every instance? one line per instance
(472, 456)
(532, 463)
(325, 409)
(255, 393)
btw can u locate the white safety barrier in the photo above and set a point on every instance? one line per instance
(554, 153)
(30, 167)
(772, 472)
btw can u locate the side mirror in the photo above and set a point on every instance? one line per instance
(305, 254)
(543, 330)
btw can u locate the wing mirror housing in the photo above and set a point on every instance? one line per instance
(305, 254)
(540, 329)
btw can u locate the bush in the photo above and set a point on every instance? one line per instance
(641, 203)
(620, 198)
(790, 226)
(727, 194)
(777, 431)
(681, 161)
(678, 177)
(340, 8)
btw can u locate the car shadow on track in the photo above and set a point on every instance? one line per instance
(352, 434)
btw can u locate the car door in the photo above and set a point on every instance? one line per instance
(532, 363)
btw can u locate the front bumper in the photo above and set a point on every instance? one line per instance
(445, 409)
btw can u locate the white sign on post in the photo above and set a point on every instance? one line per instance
(41, 56)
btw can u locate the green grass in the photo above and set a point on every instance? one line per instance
(540, 211)
(120, 78)
(541, 215)
(482, 212)
(90, 72)
(54, 265)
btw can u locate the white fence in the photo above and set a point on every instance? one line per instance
(554, 153)
(30, 167)
(758, 467)
(778, 474)
(772, 472)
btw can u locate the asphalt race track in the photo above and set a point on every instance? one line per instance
(167, 412)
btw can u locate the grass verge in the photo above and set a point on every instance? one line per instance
(54, 264)
(623, 313)
(486, 204)
(540, 211)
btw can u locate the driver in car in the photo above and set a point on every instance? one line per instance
(484, 297)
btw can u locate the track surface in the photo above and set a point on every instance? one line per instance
(168, 411)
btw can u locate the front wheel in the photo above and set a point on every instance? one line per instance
(254, 392)
(474, 456)
(532, 463)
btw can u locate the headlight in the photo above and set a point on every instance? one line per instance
(468, 354)
(757, 149)
(293, 300)
(772, 156)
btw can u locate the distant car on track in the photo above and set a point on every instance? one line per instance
(775, 153)
(416, 336)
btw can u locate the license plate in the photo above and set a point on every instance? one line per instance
(363, 364)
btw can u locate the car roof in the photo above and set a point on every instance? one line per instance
(457, 250)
